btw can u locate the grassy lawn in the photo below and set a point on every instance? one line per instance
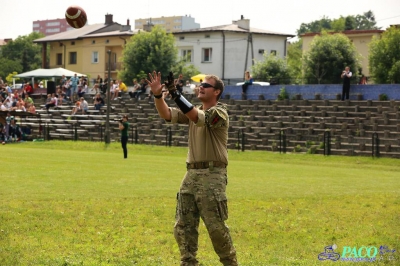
(80, 203)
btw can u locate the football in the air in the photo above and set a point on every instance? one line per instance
(76, 16)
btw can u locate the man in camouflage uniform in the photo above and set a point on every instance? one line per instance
(202, 192)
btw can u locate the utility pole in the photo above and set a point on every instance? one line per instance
(107, 131)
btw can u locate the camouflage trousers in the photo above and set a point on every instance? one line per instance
(202, 194)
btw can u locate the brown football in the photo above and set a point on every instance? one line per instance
(76, 16)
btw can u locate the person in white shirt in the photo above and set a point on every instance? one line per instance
(84, 105)
(115, 90)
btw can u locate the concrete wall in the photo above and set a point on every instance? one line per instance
(328, 92)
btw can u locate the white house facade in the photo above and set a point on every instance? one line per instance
(227, 51)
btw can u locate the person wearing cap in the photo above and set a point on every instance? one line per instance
(203, 189)
(124, 127)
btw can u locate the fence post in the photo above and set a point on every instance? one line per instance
(136, 135)
(75, 132)
(327, 143)
(101, 132)
(243, 140)
(282, 141)
(132, 136)
(168, 137)
(375, 145)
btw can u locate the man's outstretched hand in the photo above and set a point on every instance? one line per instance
(154, 82)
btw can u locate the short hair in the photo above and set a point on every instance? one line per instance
(219, 84)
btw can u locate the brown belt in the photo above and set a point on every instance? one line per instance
(204, 165)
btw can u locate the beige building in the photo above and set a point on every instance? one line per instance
(85, 50)
(360, 38)
(170, 24)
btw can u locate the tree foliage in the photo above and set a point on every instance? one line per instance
(384, 57)
(8, 66)
(148, 51)
(329, 54)
(294, 59)
(24, 52)
(366, 21)
(271, 67)
(187, 70)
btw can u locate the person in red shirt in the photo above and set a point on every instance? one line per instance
(28, 88)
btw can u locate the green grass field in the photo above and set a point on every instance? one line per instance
(80, 203)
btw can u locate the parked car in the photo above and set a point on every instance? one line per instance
(17, 86)
(255, 83)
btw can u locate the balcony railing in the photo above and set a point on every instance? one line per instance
(114, 66)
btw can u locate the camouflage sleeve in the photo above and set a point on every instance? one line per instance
(177, 117)
(214, 117)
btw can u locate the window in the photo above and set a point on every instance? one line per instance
(95, 57)
(93, 41)
(177, 27)
(55, 23)
(206, 54)
(181, 37)
(36, 25)
(107, 41)
(273, 52)
(187, 55)
(72, 43)
(177, 20)
(72, 58)
(138, 23)
(59, 59)
(207, 36)
(53, 30)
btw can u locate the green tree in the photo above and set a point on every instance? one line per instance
(271, 67)
(338, 24)
(24, 51)
(384, 57)
(350, 23)
(294, 59)
(8, 66)
(185, 68)
(329, 54)
(148, 51)
(366, 21)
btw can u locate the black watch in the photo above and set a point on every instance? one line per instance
(158, 96)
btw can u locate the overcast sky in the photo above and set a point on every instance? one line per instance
(283, 16)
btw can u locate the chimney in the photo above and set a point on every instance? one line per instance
(243, 23)
(127, 22)
(109, 19)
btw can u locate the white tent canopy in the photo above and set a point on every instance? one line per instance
(49, 73)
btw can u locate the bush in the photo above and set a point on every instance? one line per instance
(383, 97)
(283, 94)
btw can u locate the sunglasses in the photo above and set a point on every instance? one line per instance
(206, 85)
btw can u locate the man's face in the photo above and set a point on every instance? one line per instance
(206, 92)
